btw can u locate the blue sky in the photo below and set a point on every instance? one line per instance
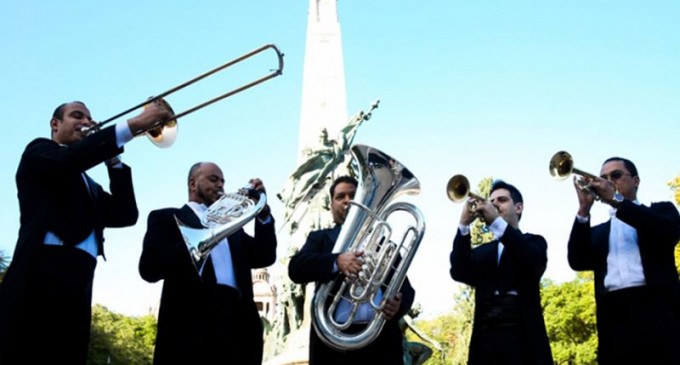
(480, 88)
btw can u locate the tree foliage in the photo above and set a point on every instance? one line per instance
(452, 330)
(478, 231)
(569, 314)
(675, 186)
(118, 339)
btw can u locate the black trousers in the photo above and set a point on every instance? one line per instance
(498, 337)
(52, 324)
(638, 325)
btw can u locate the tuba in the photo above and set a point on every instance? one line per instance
(222, 218)
(381, 179)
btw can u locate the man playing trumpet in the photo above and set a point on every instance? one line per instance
(505, 273)
(637, 290)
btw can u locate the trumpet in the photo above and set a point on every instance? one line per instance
(458, 189)
(164, 133)
(562, 165)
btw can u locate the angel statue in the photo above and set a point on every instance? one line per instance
(310, 176)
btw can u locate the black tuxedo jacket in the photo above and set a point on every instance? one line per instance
(48, 288)
(658, 230)
(200, 321)
(521, 266)
(314, 263)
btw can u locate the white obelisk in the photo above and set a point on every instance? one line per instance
(324, 99)
(324, 106)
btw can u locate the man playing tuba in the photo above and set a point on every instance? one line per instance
(316, 262)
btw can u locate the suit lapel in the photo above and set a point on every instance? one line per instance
(187, 216)
(332, 237)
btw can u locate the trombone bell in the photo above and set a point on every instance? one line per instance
(163, 135)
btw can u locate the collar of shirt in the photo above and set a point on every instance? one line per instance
(612, 210)
(198, 208)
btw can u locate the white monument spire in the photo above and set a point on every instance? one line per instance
(324, 100)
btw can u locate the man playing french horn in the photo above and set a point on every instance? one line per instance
(505, 273)
(316, 262)
(207, 313)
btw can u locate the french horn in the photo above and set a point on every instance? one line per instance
(222, 218)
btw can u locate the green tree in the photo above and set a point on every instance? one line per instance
(478, 231)
(569, 314)
(451, 330)
(675, 186)
(118, 339)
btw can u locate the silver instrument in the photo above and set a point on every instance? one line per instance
(381, 179)
(164, 133)
(222, 218)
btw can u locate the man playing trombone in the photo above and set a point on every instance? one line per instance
(637, 290)
(505, 273)
(46, 295)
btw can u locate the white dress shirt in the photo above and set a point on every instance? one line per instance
(624, 264)
(220, 254)
(89, 245)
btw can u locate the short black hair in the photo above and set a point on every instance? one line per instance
(59, 111)
(343, 179)
(630, 166)
(514, 192)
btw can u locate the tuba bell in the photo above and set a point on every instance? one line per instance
(381, 179)
(222, 218)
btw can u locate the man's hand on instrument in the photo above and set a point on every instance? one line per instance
(349, 263)
(392, 306)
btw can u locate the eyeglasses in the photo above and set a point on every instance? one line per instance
(615, 175)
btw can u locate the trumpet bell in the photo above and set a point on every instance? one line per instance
(458, 188)
(163, 135)
(561, 165)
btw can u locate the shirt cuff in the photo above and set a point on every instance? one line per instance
(582, 219)
(123, 134)
(266, 220)
(498, 226)
(464, 230)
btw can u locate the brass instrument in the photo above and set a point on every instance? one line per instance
(222, 218)
(562, 165)
(164, 133)
(381, 179)
(458, 189)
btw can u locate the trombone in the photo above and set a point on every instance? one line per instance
(163, 133)
(562, 165)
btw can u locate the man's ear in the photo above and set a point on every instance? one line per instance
(54, 124)
(519, 208)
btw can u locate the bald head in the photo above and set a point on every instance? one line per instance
(205, 183)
